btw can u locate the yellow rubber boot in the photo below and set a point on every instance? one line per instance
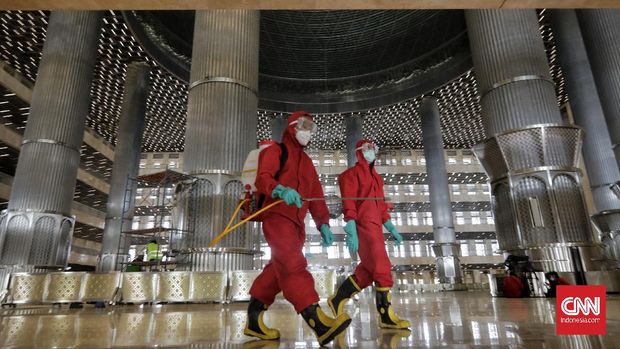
(387, 317)
(325, 327)
(347, 289)
(255, 327)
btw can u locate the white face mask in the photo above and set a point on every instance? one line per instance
(303, 137)
(369, 155)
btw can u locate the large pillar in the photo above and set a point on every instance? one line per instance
(588, 113)
(445, 247)
(601, 35)
(531, 158)
(38, 227)
(121, 199)
(221, 124)
(354, 134)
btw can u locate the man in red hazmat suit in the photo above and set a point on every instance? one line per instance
(283, 226)
(365, 219)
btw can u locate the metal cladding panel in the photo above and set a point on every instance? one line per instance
(101, 286)
(16, 240)
(208, 286)
(64, 287)
(139, 287)
(490, 156)
(505, 220)
(200, 211)
(535, 232)
(173, 286)
(44, 240)
(27, 288)
(522, 149)
(571, 214)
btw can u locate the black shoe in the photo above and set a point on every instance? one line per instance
(347, 289)
(255, 327)
(325, 328)
(387, 317)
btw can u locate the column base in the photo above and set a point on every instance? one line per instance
(448, 265)
(35, 238)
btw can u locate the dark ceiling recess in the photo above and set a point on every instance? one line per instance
(389, 97)
(329, 61)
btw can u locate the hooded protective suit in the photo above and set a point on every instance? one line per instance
(362, 181)
(283, 225)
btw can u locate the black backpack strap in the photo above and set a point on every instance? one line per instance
(283, 158)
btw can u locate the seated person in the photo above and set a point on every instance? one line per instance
(134, 267)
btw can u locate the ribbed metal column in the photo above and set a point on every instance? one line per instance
(538, 199)
(221, 119)
(39, 228)
(354, 134)
(586, 106)
(445, 247)
(511, 69)
(278, 125)
(121, 199)
(601, 37)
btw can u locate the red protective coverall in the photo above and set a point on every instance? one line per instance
(283, 225)
(362, 181)
(513, 287)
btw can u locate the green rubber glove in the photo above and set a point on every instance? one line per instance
(392, 229)
(289, 195)
(327, 235)
(351, 239)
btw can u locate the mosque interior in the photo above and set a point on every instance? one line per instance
(120, 130)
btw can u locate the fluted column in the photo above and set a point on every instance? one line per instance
(39, 227)
(121, 199)
(354, 134)
(221, 119)
(601, 36)
(538, 199)
(588, 113)
(445, 247)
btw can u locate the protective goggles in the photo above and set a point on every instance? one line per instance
(368, 146)
(304, 124)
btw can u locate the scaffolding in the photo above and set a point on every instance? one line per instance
(158, 203)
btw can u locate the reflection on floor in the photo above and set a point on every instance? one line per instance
(452, 320)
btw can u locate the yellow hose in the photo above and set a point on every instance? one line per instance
(232, 218)
(229, 228)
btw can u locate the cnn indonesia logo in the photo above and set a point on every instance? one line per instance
(580, 310)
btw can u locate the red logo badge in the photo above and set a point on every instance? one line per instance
(580, 310)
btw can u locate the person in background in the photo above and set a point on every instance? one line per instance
(365, 222)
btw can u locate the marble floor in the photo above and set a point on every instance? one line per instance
(449, 320)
